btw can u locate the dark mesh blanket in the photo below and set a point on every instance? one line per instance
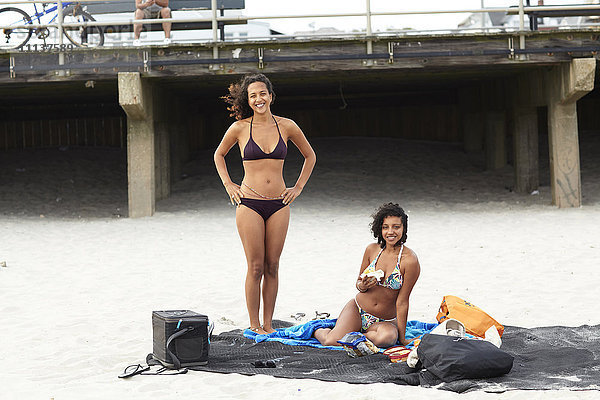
(545, 358)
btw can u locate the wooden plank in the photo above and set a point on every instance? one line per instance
(4, 135)
(495, 140)
(104, 61)
(73, 132)
(525, 138)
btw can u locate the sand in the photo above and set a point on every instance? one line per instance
(81, 280)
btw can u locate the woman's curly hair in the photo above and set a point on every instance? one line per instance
(238, 95)
(388, 210)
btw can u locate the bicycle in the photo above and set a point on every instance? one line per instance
(17, 37)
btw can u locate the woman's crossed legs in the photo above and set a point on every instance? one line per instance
(382, 333)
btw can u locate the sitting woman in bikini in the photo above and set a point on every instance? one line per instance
(380, 309)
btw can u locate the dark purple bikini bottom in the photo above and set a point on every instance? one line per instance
(264, 208)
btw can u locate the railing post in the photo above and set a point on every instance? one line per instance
(482, 15)
(369, 33)
(12, 67)
(215, 26)
(521, 29)
(61, 54)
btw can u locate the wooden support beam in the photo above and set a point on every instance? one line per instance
(473, 132)
(525, 136)
(471, 118)
(495, 140)
(530, 90)
(162, 157)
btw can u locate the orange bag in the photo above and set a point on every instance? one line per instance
(475, 320)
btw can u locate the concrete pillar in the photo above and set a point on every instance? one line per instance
(135, 97)
(569, 83)
(565, 174)
(473, 132)
(525, 138)
(495, 140)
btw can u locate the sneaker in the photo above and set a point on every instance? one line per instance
(167, 41)
(137, 42)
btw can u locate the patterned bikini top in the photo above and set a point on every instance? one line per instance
(393, 280)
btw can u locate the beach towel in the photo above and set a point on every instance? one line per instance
(545, 358)
(301, 335)
(297, 335)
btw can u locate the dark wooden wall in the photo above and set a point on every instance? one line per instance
(434, 123)
(91, 131)
(205, 127)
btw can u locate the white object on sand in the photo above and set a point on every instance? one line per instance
(413, 358)
(493, 336)
(450, 327)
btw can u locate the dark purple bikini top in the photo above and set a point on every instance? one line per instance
(253, 152)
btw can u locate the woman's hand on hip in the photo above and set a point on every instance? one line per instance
(234, 192)
(290, 194)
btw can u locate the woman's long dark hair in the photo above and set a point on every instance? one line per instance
(238, 95)
(388, 210)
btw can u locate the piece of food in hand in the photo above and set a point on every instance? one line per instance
(378, 274)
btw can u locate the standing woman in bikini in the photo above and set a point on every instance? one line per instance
(262, 199)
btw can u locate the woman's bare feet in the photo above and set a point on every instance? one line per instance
(259, 330)
(268, 329)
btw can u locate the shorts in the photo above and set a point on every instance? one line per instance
(151, 12)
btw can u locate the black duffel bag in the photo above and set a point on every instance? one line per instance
(452, 358)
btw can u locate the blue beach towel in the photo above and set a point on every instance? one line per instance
(302, 335)
(416, 329)
(297, 335)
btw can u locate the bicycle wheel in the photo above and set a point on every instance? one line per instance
(83, 36)
(14, 38)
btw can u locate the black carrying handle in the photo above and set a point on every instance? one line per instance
(174, 336)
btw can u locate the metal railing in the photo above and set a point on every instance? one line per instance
(368, 35)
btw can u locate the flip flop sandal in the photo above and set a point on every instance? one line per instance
(322, 315)
(132, 370)
(298, 316)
